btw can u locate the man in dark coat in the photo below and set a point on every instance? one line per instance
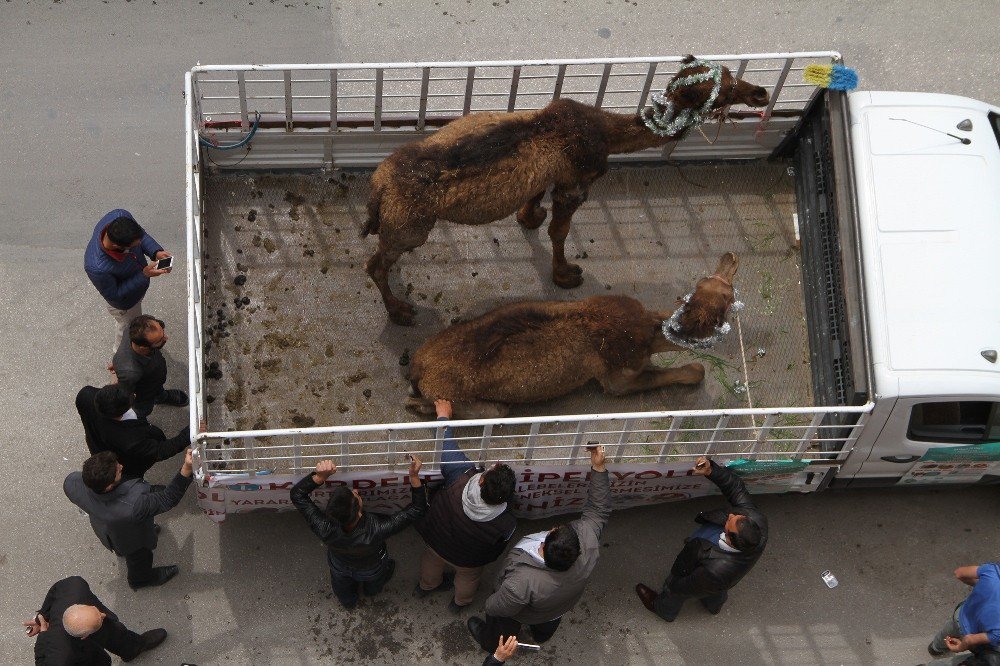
(140, 367)
(121, 512)
(469, 524)
(717, 555)
(544, 574)
(110, 424)
(74, 628)
(355, 540)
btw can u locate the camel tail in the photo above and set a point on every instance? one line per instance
(374, 213)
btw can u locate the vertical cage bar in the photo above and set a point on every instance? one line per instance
(671, 437)
(297, 451)
(646, 86)
(379, 74)
(720, 426)
(333, 99)
(577, 440)
(514, 80)
(560, 77)
(622, 439)
(602, 88)
(529, 450)
(241, 84)
(438, 446)
(251, 462)
(777, 89)
(391, 452)
(809, 434)
(484, 442)
(765, 430)
(425, 79)
(470, 80)
(742, 68)
(345, 441)
(288, 100)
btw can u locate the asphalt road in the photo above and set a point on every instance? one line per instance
(91, 119)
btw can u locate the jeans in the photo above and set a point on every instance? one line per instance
(346, 579)
(668, 605)
(432, 568)
(140, 566)
(506, 626)
(122, 319)
(950, 628)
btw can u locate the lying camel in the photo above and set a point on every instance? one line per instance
(485, 166)
(534, 351)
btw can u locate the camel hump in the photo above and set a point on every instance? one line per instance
(493, 336)
(490, 145)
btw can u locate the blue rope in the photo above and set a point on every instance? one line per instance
(253, 130)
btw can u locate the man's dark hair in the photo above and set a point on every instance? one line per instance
(112, 401)
(747, 535)
(343, 506)
(138, 328)
(562, 547)
(124, 231)
(498, 484)
(100, 470)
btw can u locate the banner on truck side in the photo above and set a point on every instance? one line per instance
(955, 464)
(541, 490)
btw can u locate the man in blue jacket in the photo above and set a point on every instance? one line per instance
(975, 623)
(115, 261)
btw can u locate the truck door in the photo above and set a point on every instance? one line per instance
(917, 425)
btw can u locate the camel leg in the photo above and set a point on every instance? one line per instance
(565, 201)
(531, 214)
(480, 409)
(631, 381)
(391, 246)
(420, 405)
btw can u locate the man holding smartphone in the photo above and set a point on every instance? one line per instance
(115, 262)
(545, 574)
(717, 555)
(355, 540)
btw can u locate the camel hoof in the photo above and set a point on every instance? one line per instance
(534, 220)
(402, 315)
(419, 405)
(570, 276)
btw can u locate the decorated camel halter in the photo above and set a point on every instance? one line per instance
(664, 120)
(671, 326)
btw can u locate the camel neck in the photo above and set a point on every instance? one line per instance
(626, 133)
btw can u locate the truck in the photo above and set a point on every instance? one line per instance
(865, 353)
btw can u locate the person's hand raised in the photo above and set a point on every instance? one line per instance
(597, 458)
(324, 470)
(702, 467)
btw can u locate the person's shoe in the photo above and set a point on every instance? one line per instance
(172, 398)
(647, 596)
(934, 653)
(714, 610)
(455, 608)
(160, 576)
(392, 570)
(447, 583)
(476, 627)
(150, 640)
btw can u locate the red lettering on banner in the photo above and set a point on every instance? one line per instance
(545, 476)
(622, 475)
(391, 481)
(651, 474)
(571, 476)
(368, 484)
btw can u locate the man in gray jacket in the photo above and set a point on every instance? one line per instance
(121, 512)
(545, 574)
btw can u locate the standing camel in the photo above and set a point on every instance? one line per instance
(538, 350)
(485, 166)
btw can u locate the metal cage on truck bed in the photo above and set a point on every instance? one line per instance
(344, 116)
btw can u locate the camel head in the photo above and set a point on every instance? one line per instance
(695, 94)
(703, 316)
(698, 89)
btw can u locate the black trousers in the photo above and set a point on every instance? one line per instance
(668, 605)
(505, 626)
(140, 566)
(117, 639)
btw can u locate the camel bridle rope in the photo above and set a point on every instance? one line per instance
(664, 120)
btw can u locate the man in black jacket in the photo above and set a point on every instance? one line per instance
(468, 525)
(717, 555)
(355, 540)
(110, 424)
(122, 510)
(74, 627)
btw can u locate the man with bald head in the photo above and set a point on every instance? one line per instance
(74, 627)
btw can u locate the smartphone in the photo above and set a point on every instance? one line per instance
(164, 263)
(528, 647)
